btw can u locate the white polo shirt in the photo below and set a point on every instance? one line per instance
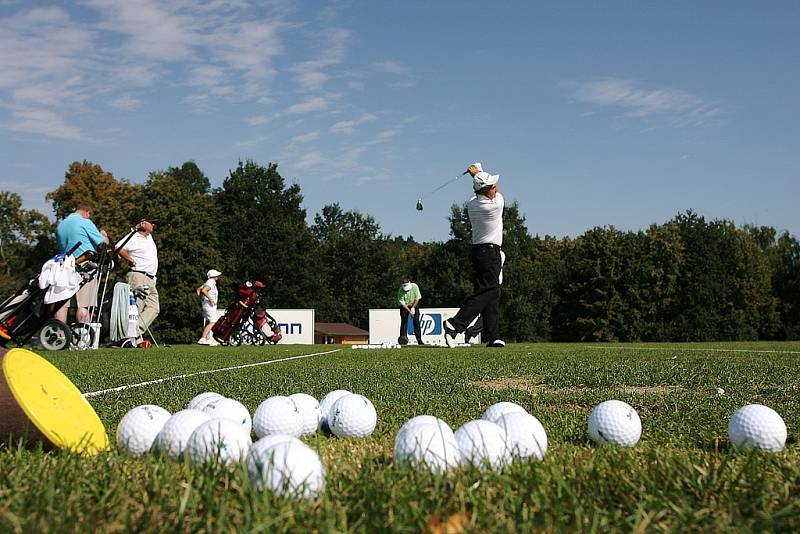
(143, 251)
(486, 217)
(212, 292)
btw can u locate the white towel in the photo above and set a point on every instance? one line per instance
(60, 279)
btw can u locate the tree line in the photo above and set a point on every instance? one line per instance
(688, 279)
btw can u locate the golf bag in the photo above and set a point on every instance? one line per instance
(244, 321)
(32, 307)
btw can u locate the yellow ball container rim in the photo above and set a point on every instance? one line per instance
(53, 403)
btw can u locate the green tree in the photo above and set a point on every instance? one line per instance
(114, 202)
(724, 284)
(264, 235)
(359, 270)
(188, 245)
(592, 307)
(26, 241)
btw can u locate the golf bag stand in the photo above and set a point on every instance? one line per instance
(246, 297)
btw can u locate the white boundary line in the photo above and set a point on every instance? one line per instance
(694, 349)
(177, 377)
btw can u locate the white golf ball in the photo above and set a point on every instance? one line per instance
(200, 400)
(290, 469)
(425, 420)
(497, 410)
(218, 440)
(177, 430)
(232, 409)
(756, 426)
(277, 415)
(309, 409)
(139, 427)
(325, 406)
(427, 444)
(353, 416)
(614, 422)
(525, 435)
(483, 444)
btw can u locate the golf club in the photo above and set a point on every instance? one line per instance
(420, 206)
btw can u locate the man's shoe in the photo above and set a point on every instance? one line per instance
(211, 342)
(449, 334)
(497, 343)
(202, 341)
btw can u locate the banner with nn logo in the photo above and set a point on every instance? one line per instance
(384, 326)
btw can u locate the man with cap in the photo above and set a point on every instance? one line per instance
(142, 254)
(408, 296)
(485, 210)
(208, 293)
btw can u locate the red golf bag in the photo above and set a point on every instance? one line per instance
(246, 298)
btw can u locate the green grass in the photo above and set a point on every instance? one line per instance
(683, 474)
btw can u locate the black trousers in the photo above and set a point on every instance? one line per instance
(485, 298)
(404, 324)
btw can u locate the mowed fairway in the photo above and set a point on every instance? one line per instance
(683, 474)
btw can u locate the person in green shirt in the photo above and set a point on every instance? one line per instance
(408, 296)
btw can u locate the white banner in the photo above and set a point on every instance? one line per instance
(384, 326)
(297, 326)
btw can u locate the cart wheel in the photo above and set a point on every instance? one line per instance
(82, 336)
(236, 338)
(55, 335)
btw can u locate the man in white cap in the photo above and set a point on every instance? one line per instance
(408, 297)
(209, 294)
(485, 210)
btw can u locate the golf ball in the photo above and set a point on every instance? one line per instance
(425, 419)
(427, 444)
(325, 406)
(232, 409)
(290, 469)
(218, 440)
(139, 427)
(614, 422)
(353, 416)
(756, 426)
(483, 444)
(497, 410)
(177, 430)
(277, 415)
(199, 401)
(309, 409)
(525, 435)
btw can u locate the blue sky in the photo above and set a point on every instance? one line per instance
(593, 113)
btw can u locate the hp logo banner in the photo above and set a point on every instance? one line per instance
(431, 324)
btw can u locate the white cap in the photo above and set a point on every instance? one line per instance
(482, 179)
(406, 286)
(212, 273)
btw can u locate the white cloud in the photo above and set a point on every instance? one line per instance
(257, 120)
(391, 67)
(316, 103)
(45, 122)
(126, 102)
(402, 73)
(679, 107)
(305, 138)
(63, 58)
(349, 126)
(311, 75)
(311, 160)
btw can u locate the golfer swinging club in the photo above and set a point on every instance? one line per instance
(485, 210)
